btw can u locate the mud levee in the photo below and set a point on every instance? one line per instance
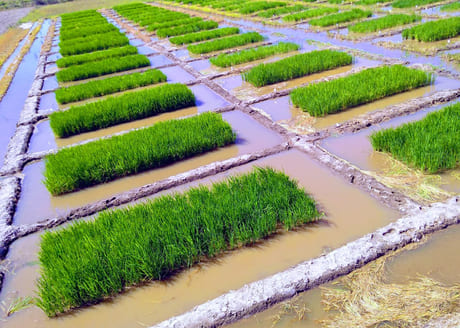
(260, 295)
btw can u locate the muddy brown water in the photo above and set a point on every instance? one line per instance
(36, 203)
(144, 306)
(281, 109)
(357, 149)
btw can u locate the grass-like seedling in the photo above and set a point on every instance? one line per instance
(296, 66)
(90, 260)
(163, 143)
(248, 55)
(95, 56)
(269, 13)
(454, 6)
(225, 43)
(435, 30)
(177, 22)
(369, 85)
(382, 23)
(204, 35)
(252, 7)
(101, 43)
(102, 67)
(86, 31)
(303, 15)
(412, 3)
(343, 17)
(184, 29)
(108, 86)
(432, 144)
(115, 110)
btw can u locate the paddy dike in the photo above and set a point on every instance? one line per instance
(269, 132)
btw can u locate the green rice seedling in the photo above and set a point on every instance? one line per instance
(184, 29)
(86, 31)
(95, 56)
(177, 22)
(343, 17)
(252, 7)
(432, 144)
(383, 23)
(91, 260)
(102, 67)
(435, 30)
(225, 43)
(333, 96)
(412, 3)
(108, 86)
(163, 143)
(281, 11)
(103, 43)
(120, 109)
(454, 6)
(296, 66)
(248, 55)
(303, 15)
(204, 35)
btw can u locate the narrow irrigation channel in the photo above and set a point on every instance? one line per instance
(142, 113)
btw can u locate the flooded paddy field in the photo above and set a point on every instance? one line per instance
(357, 189)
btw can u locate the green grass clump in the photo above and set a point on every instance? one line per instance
(281, 11)
(125, 108)
(163, 143)
(91, 260)
(95, 56)
(343, 17)
(102, 67)
(177, 22)
(333, 96)
(303, 15)
(108, 86)
(432, 144)
(204, 35)
(435, 30)
(252, 7)
(248, 55)
(454, 6)
(382, 23)
(184, 29)
(101, 43)
(412, 3)
(225, 43)
(86, 31)
(296, 66)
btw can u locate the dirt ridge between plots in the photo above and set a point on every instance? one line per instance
(258, 296)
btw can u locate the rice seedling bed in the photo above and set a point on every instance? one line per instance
(185, 29)
(434, 30)
(269, 13)
(85, 45)
(383, 23)
(164, 143)
(252, 7)
(454, 6)
(371, 84)
(412, 3)
(296, 66)
(303, 15)
(432, 144)
(204, 35)
(108, 86)
(343, 17)
(128, 107)
(151, 241)
(248, 55)
(102, 67)
(225, 43)
(95, 56)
